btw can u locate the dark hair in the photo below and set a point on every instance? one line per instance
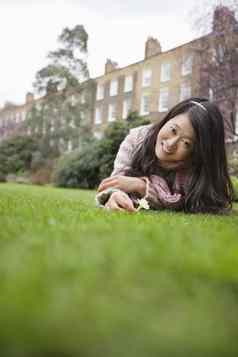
(209, 188)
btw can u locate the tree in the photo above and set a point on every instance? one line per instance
(218, 62)
(61, 116)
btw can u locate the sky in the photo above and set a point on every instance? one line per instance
(117, 30)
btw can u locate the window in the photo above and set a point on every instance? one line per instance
(128, 85)
(83, 98)
(220, 53)
(144, 107)
(52, 126)
(70, 145)
(18, 117)
(185, 91)
(165, 72)
(43, 129)
(147, 75)
(164, 100)
(98, 118)
(73, 100)
(127, 105)
(236, 123)
(60, 143)
(187, 65)
(100, 92)
(72, 124)
(98, 135)
(211, 96)
(112, 112)
(113, 87)
(23, 115)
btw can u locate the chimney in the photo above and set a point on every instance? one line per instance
(110, 66)
(224, 19)
(29, 97)
(152, 47)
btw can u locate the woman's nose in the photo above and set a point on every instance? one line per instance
(171, 143)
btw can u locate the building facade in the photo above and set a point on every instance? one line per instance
(155, 84)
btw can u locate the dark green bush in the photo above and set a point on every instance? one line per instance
(235, 186)
(16, 154)
(87, 167)
(80, 169)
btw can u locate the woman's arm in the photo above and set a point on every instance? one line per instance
(121, 164)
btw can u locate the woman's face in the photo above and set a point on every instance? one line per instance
(175, 140)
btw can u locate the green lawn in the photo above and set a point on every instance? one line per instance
(78, 281)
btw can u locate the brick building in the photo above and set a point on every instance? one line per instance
(156, 83)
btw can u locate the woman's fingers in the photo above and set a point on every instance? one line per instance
(109, 183)
(112, 205)
(124, 201)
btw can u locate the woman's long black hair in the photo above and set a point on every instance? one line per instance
(209, 188)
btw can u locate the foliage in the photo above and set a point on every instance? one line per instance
(62, 115)
(77, 281)
(80, 169)
(94, 161)
(42, 176)
(16, 154)
(233, 165)
(235, 186)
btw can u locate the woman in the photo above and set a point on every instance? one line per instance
(179, 163)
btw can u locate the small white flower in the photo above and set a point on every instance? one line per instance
(143, 204)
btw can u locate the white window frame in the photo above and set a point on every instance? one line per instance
(128, 84)
(220, 53)
(98, 115)
(18, 117)
(187, 65)
(236, 123)
(73, 100)
(98, 135)
(100, 91)
(211, 94)
(112, 112)
(70, 146)
(185, 91)
(165, 72)
(23, 115)
(163, 96)
(144, 106)
(147, 77)
(113, 87)
(127, 107)
(83, 98)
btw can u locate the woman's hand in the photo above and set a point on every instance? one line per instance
(124, 183)
(120, 201)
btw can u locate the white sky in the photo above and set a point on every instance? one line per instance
(117, 30)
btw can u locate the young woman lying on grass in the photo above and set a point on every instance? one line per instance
(179, 163)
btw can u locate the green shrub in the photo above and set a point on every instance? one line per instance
(16, 154)
(233, 166)
(235, 185)
(80, 169)
(87, 167)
